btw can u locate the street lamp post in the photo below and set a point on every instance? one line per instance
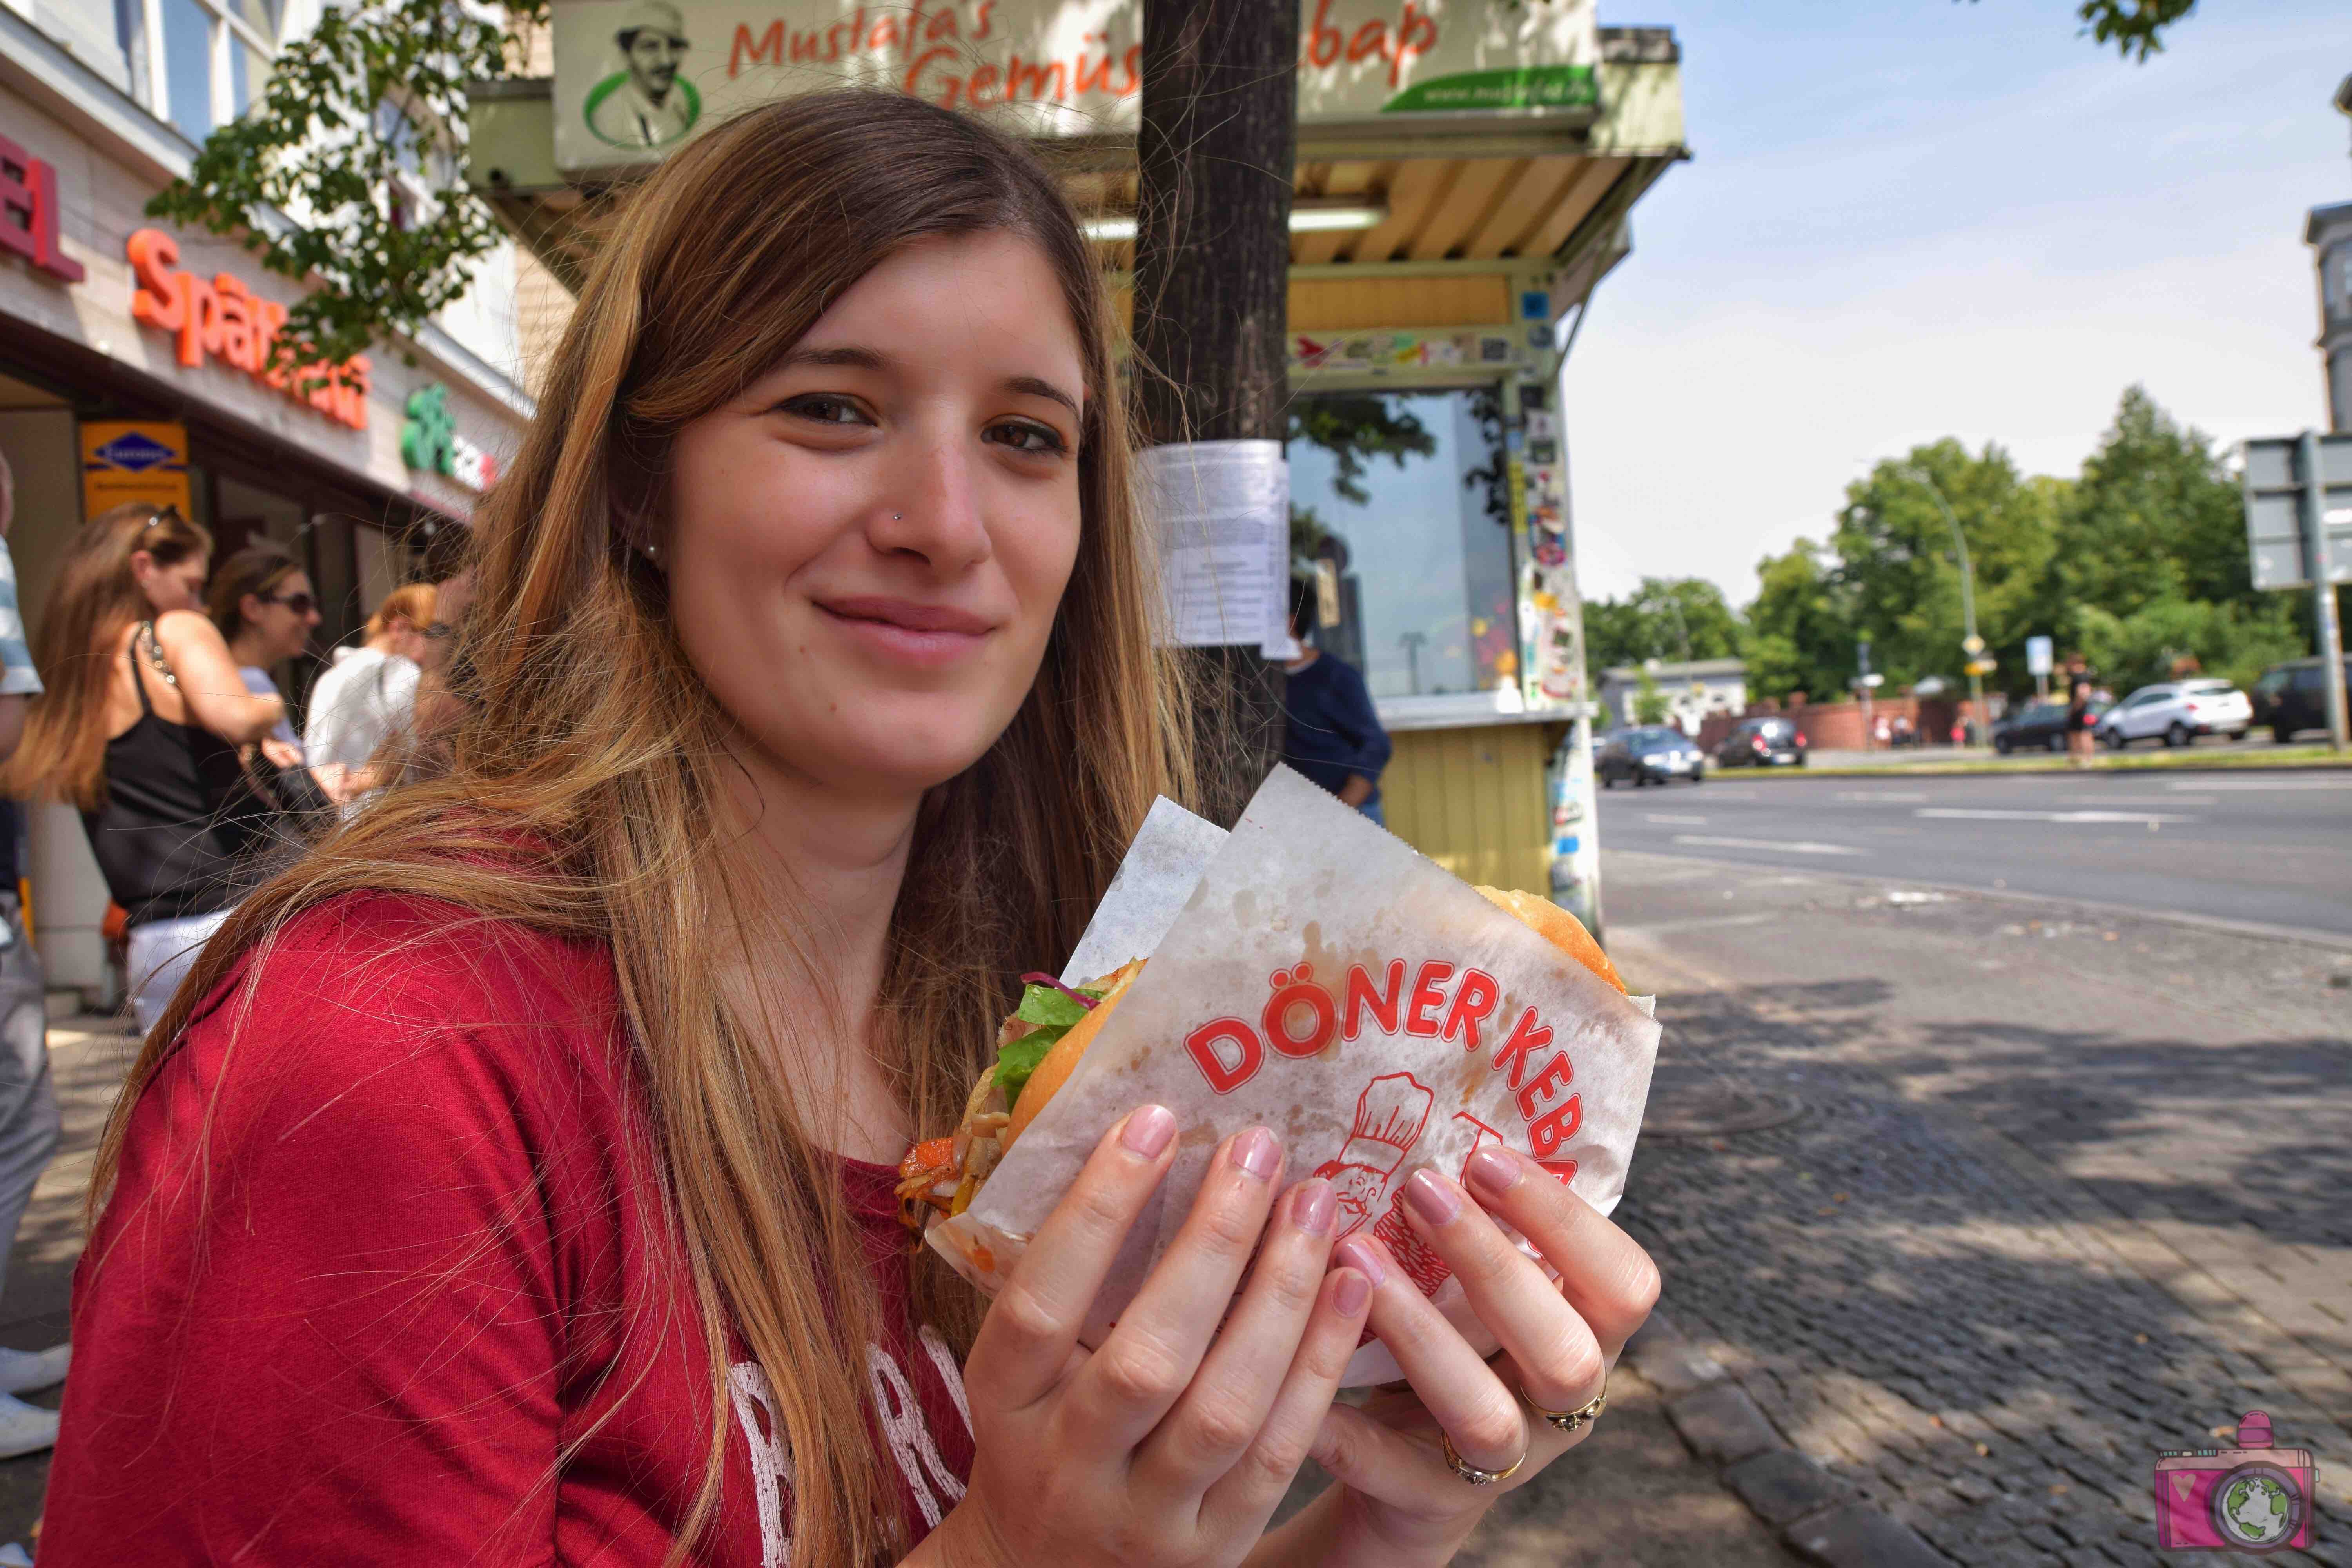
(1971, 644)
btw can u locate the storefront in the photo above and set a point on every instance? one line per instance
(133, 364)
(1466, 174)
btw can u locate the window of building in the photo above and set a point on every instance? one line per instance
(1419, 578)
(199, 63)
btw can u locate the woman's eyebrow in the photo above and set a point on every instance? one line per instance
(1035, 387)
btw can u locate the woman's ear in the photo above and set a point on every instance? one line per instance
(248, 609)
(142, 565)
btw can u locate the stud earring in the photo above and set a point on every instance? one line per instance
(652, 551)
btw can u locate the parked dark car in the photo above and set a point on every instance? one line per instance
(1648, 756)
(1762, 743)
(2293, 696)
(2038, 726)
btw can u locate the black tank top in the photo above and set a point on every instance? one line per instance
(175, 834)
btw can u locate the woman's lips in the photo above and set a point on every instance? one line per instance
(906, 631)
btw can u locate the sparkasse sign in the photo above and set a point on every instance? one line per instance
(634, 80)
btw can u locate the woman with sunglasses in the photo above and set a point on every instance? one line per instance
(141, 726)
(261, 601)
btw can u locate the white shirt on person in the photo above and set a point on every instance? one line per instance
(358, 705)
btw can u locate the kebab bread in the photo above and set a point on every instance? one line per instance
(1556, 925)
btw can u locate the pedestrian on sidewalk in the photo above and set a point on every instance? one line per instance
(514, 1178)
(29, 1123)
(140, 726)
(1330, 731)
(2082, 691)
(369, 696)
(261, 602)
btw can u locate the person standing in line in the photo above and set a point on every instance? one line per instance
(1330, 731)
(141, 726)
(29, 1122)
(370, 694)
(2082, 690)
(263, 604)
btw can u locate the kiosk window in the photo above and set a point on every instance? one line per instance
(1400, 500)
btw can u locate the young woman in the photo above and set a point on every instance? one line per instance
(140, 725)
(370, 694)
(511, 1180)
(261, 604)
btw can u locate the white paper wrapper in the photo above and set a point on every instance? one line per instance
(1322, 979)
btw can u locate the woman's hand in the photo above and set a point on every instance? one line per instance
(1399, 1501)
(1159, 1448)
(280, 754)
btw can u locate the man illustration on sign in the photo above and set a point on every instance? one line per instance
(1389, 1115)
(645, 105)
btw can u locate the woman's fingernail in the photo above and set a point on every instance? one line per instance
(1492, 1172)
(1430, 1199)
(1311, 1206)
(1351, 1292)
(1148, 1131)
(1255, 1153)
(1357, 1254)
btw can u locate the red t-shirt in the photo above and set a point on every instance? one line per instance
(432, 1257)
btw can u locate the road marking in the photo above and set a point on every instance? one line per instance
(1899, 797)
(2334, 784)
(1656, 928)
(1954, 813)
(1676, 821)
(2147, 800)
(1793, 846)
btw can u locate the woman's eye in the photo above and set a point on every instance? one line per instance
(827, 408)
(1037, 440)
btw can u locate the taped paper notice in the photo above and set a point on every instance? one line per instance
(1221, 510)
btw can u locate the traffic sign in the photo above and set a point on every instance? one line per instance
(1983, 666)
(1972, 645)
(2037, 655)
(2298, 518)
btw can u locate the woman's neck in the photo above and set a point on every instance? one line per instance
(246, 649)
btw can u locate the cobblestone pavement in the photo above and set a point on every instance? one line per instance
(2061, 1193)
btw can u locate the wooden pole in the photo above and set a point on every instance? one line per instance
(1215, 156)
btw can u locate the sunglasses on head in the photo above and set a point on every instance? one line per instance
(300, 604)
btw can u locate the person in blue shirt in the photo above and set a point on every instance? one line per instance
(1330, 732)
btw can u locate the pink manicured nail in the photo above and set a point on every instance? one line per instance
(1492, 1172)
(1358, 1254)
(1311, 1206)
(1257, 1153)
(1148, 1131)
(1350, 1293)
(1430, 1199)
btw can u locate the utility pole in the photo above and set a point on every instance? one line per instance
(1412, 642)
(1215, 157)
(1970, 644)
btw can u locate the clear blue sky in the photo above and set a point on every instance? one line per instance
(1912, 218)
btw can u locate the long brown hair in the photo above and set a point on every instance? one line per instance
(256, 570)
(92, 601)
(587, 735)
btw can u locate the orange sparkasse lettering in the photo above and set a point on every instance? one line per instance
(268, 315)
(236, 322)
(1556, 1073)
(1474, 1002)
(1322, 43)
(1416, 34)
(767, 50)
(157, 303)
(1549, 1134)
(1371, 39)
(1527, 1036)
(200, 328)
(1222, 1078)
(1428, 996)
(1363, 998)
(1031, 76)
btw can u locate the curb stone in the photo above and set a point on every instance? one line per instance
(1813, 1512)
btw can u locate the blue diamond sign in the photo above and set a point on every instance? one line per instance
(135, 451)
(145, 461)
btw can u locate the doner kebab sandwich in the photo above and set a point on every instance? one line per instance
(1040, 1044)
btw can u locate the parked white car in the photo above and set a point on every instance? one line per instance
(2176, 713)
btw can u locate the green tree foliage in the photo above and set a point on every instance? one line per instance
(2136, 27)
(1650, 704)
(1355, 427)
(1667, 618)
(1801, 628)
(351, 169)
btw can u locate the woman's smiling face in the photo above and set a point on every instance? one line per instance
(869, 545)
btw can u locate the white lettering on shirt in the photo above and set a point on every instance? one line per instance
(943, 1360)
(771, 1467)
(909, 1436)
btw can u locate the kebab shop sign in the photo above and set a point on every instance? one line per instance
(1049, 68)
(220, 319)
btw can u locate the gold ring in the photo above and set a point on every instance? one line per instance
(1472, 1473)
(1574, 1421)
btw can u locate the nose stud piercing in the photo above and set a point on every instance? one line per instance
(898, 516)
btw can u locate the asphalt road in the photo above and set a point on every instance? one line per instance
(2267, 849)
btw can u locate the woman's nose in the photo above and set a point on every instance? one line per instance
(935, 514)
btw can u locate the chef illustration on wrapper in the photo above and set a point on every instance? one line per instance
(1389, 1115)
